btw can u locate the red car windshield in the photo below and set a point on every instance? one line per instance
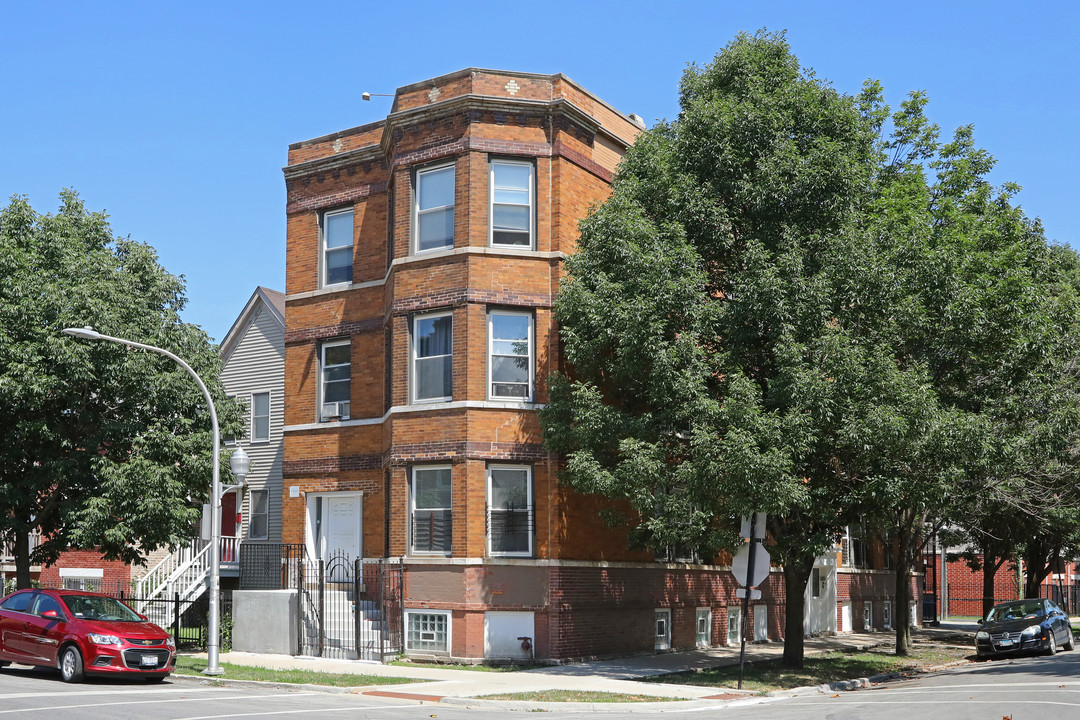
(95, 607)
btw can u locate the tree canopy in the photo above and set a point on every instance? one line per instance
(100, 445)
(796, 301)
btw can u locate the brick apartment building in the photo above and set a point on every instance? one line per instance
(423, 255)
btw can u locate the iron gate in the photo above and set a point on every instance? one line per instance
(349, 608)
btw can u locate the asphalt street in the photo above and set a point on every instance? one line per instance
(1027, 688)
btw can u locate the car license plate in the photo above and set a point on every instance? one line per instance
(149, 659)
(1004, 643)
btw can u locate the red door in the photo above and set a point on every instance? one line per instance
(228, 527)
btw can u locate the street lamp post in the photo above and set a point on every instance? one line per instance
(214, 621)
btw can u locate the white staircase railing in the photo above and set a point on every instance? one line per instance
(184, 571)
(153, 583)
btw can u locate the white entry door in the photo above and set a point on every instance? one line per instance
(335, 522)
(820, 601)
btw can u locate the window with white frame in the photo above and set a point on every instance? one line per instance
(868, 615)
(510, 510)
(432, 361)
(258, 515)
(335, 386)
(260, 417)
(427, 631)
(86, 579)
(854, 547)
(510, 348)
(337, 247)
(886, 615)
(512, 203)
(430, 516)
(433, 215)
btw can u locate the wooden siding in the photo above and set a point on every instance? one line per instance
(258, 365)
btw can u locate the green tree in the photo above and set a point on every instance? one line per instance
(100, 446)
(715, 319)
(988, 310)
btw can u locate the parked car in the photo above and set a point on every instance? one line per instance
(1024, 625)
(82, 633)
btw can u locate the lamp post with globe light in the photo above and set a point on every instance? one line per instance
(241, 464)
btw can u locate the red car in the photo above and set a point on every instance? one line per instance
(82, 633)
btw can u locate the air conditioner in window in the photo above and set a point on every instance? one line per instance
(335, 411)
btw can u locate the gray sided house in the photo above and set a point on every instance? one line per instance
(253, 372)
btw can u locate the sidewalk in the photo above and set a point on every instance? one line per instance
(621, 675)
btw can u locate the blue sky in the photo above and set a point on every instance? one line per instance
(175, 118)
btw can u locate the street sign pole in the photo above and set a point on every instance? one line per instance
(746, 598)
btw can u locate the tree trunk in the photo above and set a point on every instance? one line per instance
(902, 614)
(796, 574)
(989, 569)
(22, 559)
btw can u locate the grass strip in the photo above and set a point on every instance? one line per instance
(582, 696)
(186, 665)
(824, 668)
(500, 668)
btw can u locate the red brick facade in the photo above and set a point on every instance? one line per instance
(587, 592)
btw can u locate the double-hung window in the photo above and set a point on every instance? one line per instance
(430, 517)
(432, 357)
(510, 511)
(512, 194)
(258, 515)
(510, 362)
(434, 211)
(260, 417)
(337, 250)
(335, 370)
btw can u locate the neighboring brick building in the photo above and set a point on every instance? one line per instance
(424, 252)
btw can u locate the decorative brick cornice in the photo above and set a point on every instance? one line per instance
(357, 327)
(452, 298)
(459, 450)
(330, 199)
(568, 153)
(330, 465)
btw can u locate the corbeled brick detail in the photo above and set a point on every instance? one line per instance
(453, 298)
(338, 197)
(563, 150)
(356, 327)
(334, 464)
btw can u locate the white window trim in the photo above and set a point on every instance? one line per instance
(532, 203)
(449, 630)
(414, 345)
(89, 573)
(415, 240)
(868, 615)
(531, 507)
(251, 513)
(323, 249)
(532, 354)
(412, 510)
(322, 382)
(886, 615)
(251, 417)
